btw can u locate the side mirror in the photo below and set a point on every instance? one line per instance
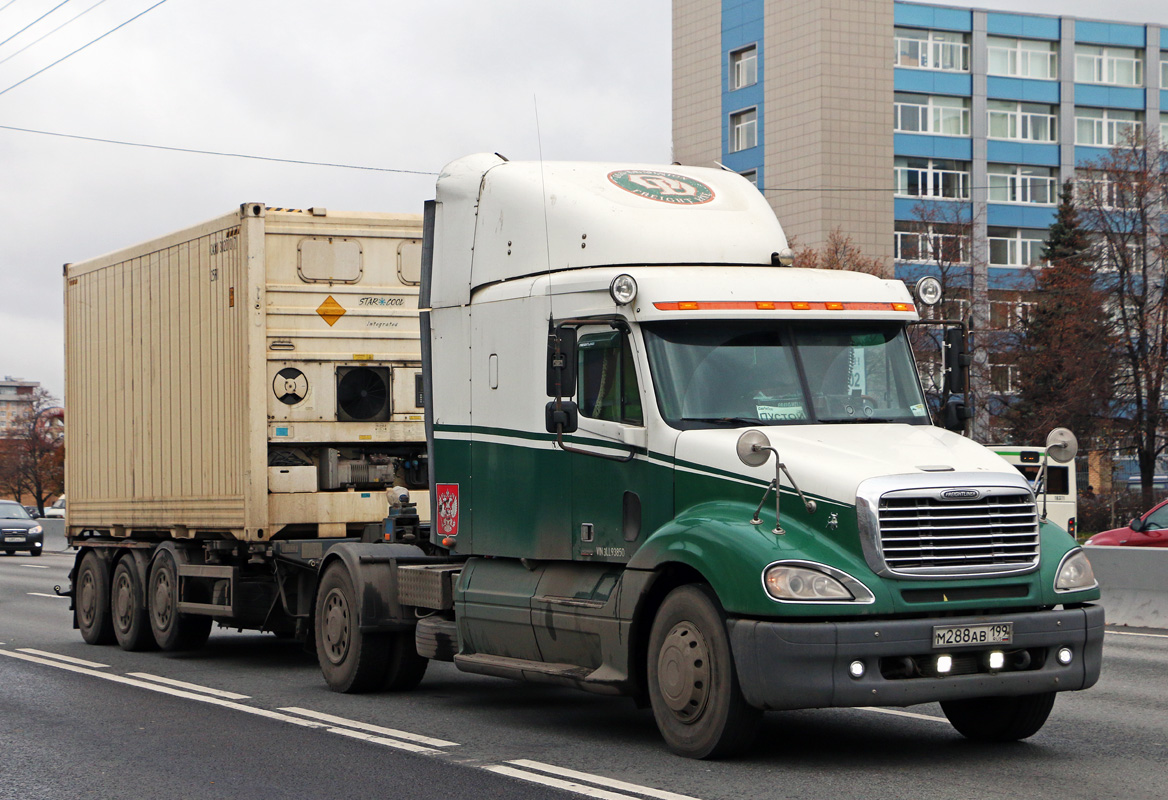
(564, 419)
(956, 413)
(1062, 446)
(561, 363)
(956, 360)
(1136, 524)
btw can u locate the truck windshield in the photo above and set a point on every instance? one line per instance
(710, 373)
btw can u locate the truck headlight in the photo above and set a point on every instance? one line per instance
(1074, 573)
(807, 582)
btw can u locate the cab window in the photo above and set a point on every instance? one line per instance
(608, 379)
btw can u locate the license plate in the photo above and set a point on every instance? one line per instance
(13, 539)
(973, 635)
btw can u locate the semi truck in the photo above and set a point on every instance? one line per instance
(664, 464)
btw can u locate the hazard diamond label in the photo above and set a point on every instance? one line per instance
(330, 310)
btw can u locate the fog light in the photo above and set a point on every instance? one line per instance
(1064, 656)
(997, 660)
(944, 664)
(856, 669)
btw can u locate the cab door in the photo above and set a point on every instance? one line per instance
(622, 493)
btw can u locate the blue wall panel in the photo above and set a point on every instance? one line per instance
(1000, 152)
(1110, 33)
(925, 81)
(903, 208)
(1024, 89)
(1083, 155)
(1022, 25)
(1087, 94)
(742, 25)
(1019, 216)
(911, 15)
(924, 146)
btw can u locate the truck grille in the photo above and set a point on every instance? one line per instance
(928, 536)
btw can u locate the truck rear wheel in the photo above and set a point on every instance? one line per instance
(693, 686)
(128, 607)
(350, 660)
(172, 630)
(92, 600)
(999, 719)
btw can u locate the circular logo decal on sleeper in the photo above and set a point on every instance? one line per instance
(664, 187)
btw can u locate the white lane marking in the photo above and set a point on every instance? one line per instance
(557, 783)
(194, 687)
(34, 566)
(54, 596)
(600, 780)
(1133, 633)
(79, 661)
(369, 737)
(365, 726)
(909, 714)
(154, 687)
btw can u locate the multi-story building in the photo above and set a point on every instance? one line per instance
(16, 398)
(902, 123)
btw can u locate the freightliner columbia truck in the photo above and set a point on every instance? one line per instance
(665, 465)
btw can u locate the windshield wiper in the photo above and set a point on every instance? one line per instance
(726, 420)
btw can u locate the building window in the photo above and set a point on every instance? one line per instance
(1022, 58)
(925, 177)
(1163, 127)
(1026, 122)
(1105, 127)
(1004, 378)
(1008, 314)
(1118, 66)
(922, 113)
(1164, 69)
(937, 244)
(939, 50)
(1014, 183)
(1016, 247)
(743, 130)
(744, 67)
(752, 176)
(1095, 189)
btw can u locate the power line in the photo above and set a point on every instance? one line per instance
(50, 33)
(216, 152)
(10, 2)
(34, 22)
(82, 47)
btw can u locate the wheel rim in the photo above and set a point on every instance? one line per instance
(162, 608)
(123, 602)
(87, 598)
(683, 671)
(336, 626)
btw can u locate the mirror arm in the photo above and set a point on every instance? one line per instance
(780, 470)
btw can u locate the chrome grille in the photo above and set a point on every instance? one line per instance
(928, 536)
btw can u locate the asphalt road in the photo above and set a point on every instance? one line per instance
(119, 726)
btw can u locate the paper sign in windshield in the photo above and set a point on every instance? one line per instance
(769, 413)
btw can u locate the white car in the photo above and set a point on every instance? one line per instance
(57, 509)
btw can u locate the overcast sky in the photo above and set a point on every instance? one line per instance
(377, 83)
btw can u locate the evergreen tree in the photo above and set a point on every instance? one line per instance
(1064, 356)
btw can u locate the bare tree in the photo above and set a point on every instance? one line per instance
(32, 452)
(1122, 200)
(839, 252)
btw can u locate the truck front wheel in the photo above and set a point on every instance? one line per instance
(999, 719)
(92, 600)
(693, 686)
(351, 661)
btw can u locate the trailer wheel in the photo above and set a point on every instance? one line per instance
(351, 661)
(999, 719)
(128, 607)
(693, 686)
(93, 600)
(172, 630)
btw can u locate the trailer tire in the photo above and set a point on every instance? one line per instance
(128, 608)
(351, 660)
(999, 719)
(172, 630)
(92, 600)
(693, 686)
(406, 668)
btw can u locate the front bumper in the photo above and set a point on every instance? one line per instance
(19, 540)
(789, 665)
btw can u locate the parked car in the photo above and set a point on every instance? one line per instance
(19, 531)
(57, 509)
(1149, 530)
(33, 512)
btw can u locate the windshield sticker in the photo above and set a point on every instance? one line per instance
(664, 187)
(917, 410)
(780, 413)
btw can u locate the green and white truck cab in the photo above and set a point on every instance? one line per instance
(619, 372)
